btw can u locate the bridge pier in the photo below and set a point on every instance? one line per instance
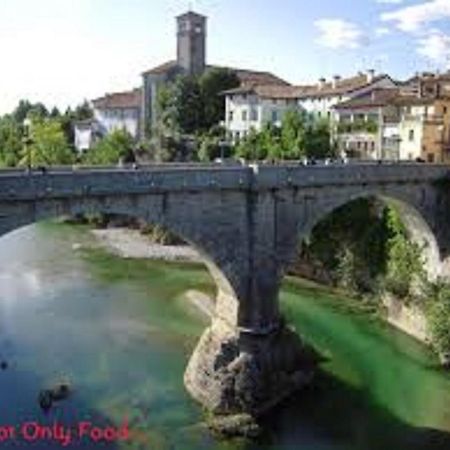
(233, 371)
(248, 360)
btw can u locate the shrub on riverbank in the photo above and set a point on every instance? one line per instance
(437, 311)
(365, 249)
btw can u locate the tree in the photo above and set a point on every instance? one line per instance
(404, 261)
(182, 106)
(293, 135)
(193, 105)
(10, 142)
(212, 84)
(114, 147)
(48, 144)
(317, 140)
(26, 109)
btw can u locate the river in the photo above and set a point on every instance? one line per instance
(121, 332)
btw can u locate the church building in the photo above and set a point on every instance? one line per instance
(136, 110)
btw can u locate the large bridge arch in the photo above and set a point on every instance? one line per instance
(174, 213)
(415, 216)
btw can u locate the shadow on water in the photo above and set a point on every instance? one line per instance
(346, 418)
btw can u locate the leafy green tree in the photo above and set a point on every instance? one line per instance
(293, 135)
(182, 106)
(113, 148)
(256, 146)
(27, 109)
(193, 105)
(212, 83)
(317, 140)
(48, 144)
(404, 261)
(437, 310)
(10, 142)
(211, 145)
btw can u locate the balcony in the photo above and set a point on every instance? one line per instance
(434, 118)
(429, 118)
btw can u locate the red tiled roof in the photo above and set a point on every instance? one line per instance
(342, 86)
(273, 91)
(161, 69)
(253, 77)
(383, 97)
(129, 99)
(247, 77)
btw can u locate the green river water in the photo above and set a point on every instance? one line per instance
(121, 332)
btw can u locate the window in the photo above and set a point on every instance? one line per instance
(430, 157)
(254, 114)
(411, 135)
(244, 115)
(230, 116)
(445, 110)
(274, 115)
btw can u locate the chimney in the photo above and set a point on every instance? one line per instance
(336, 80)
(370, 75)
(322, 82)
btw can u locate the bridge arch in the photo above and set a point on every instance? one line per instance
(413, 214)
(152, 210)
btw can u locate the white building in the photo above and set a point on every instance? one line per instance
(251, 107)
(320, 99)
(118, 111)
(386, 124)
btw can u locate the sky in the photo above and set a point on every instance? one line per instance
(61, 52)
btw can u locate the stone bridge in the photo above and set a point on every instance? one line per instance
(246, 221)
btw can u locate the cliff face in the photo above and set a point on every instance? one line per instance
(408, 318)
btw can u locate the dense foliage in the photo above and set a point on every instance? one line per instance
(437, 301)
(365, 248)
(49, 139)
(299, 136)
(115, 147)
(193, 105)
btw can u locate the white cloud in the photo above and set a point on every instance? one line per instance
(390, 2)
(412, 18)
(436, 48)
(382, 31)
(338, 33)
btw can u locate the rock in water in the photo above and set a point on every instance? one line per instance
(45, 400)
(239, 425)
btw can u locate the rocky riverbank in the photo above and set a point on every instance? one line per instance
(128, 243)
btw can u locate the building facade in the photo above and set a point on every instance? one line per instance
(395, 124)
(250, 108)
(320, 99)
(118, 111)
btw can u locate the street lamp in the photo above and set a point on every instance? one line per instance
(27, 141)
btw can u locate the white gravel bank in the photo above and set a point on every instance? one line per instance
(132, 244)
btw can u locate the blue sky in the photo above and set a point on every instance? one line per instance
(62, 51)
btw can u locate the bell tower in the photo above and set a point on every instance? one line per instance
(191, 42)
